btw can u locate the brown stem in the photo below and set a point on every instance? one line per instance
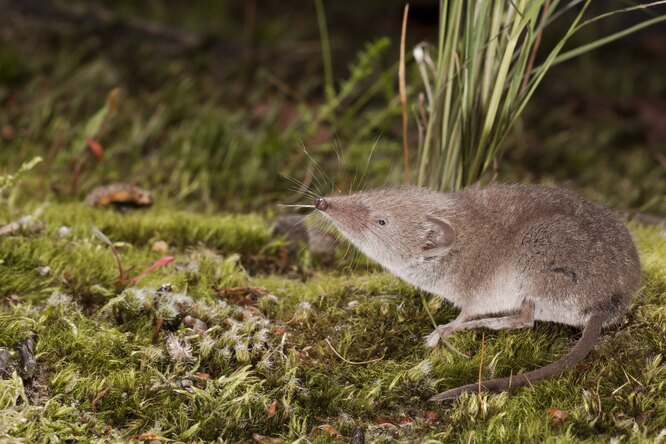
(403, 93)
(121, 271)
(483, 351)
(535, 48)
(158, 328)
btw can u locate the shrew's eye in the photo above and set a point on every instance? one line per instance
(381, 222)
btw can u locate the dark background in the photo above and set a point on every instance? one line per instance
(215, 98)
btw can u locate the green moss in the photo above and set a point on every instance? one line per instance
(102, 357)
(84, 267)
(226, 233)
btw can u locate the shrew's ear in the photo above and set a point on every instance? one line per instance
(439, 237)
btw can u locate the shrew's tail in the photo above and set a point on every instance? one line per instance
(585, 344)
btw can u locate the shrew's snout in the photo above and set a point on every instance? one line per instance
(321, 204)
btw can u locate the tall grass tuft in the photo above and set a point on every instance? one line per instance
(483, 75)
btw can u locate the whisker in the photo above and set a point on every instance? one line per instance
(294, 180)
(315, 181)
(390, 173)
(319, 184)
(346, 264)
(302, 223)
(317, 166)
(324, 227)
(307, 195)
(309, 175)
(341, 262)
(337, 147)
(351, 185)
(294, 206)
(301, 188)
(368, 162)
(356, 260)
(301, 251)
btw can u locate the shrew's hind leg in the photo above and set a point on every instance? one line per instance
(524, 318)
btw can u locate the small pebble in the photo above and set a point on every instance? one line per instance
(44, 271)
(161, 247)
(5, 362)
(358, 437)
(199, 326)
(26, 352)
(64, 231)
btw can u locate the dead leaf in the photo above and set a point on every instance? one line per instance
(557, 414)
(272, 409)
(96, 147)
(431, 416)
(148, 436)
(261, 439)
(250, 312)
(386, 423)
(119, 194)
(328, 429)
(405, 421)
(102, 393)
(8, 132)
(245, 296)
(302, 354)
(401, 421)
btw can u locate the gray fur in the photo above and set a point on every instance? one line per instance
(488, 250)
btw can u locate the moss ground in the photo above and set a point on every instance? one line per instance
(310, 354)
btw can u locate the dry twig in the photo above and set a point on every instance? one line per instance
(354, 362)
(403, 93)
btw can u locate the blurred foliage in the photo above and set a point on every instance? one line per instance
(183, 140)
(213, 129)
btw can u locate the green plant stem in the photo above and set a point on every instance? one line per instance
(605, 40)
(451, 57)
(325, 49)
